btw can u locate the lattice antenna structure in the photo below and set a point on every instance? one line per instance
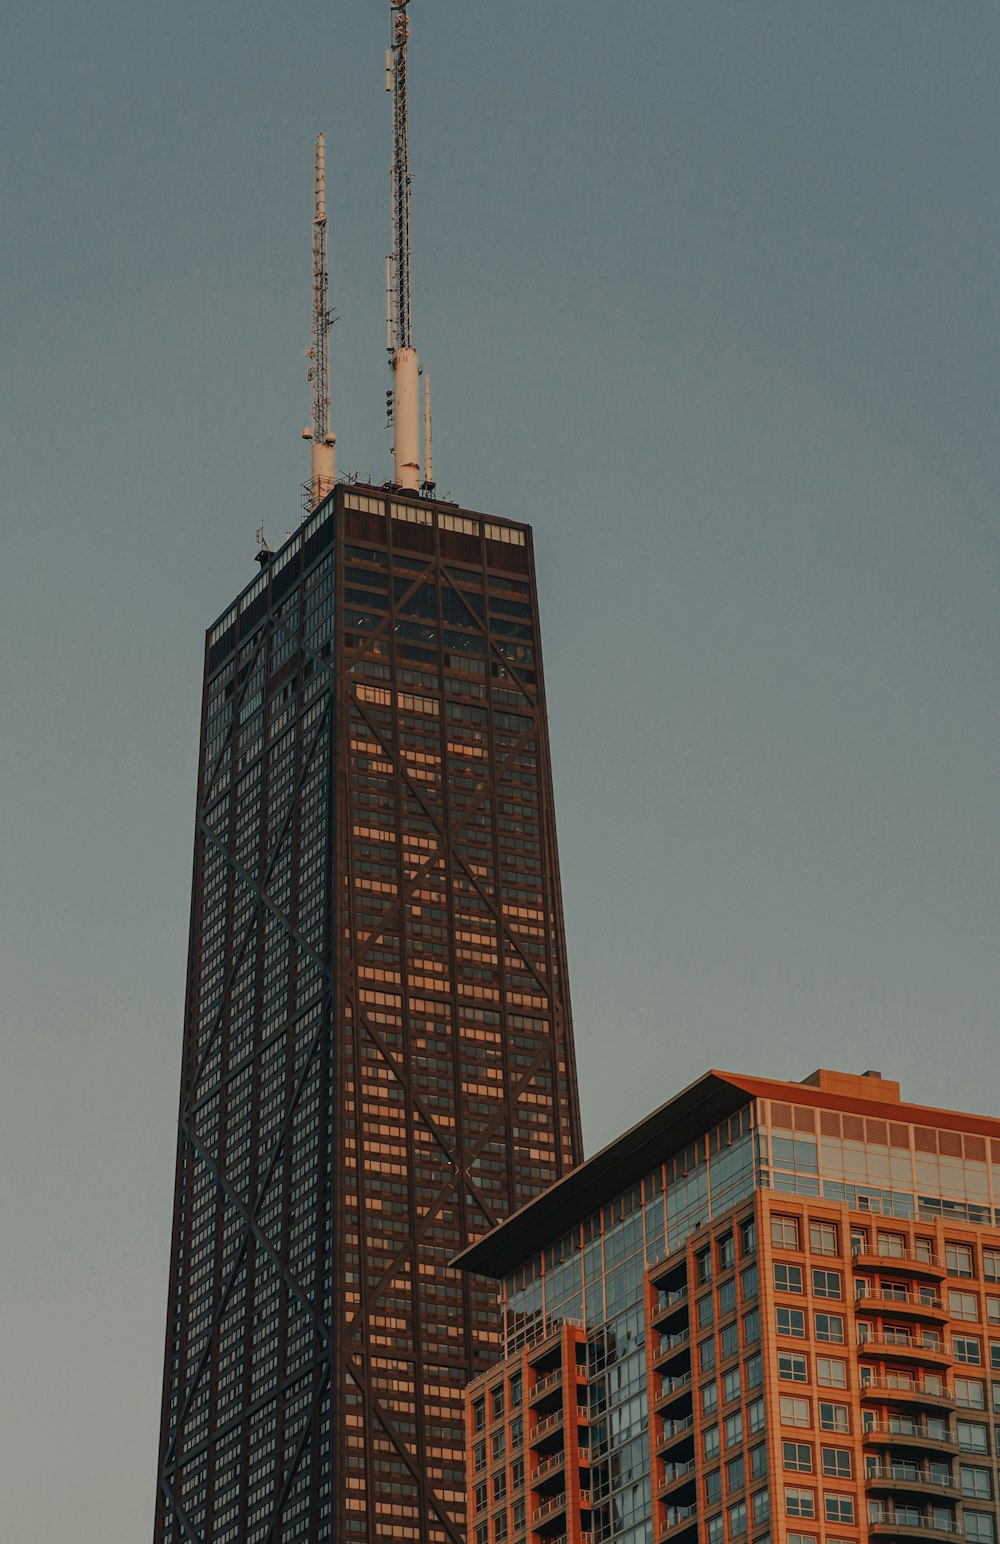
(405, 365)
(323, 470)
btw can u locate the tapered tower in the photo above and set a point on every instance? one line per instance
(378, 1058)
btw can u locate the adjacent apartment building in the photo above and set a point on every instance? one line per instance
(769, 1312)
(378, 1058)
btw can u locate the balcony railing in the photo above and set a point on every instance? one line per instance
(896, 1257)
(671, 1386)
(908, 1345)
(671, 1343)
(913, 1389)
(677, 1517)
(901, 1298)
(674, 1473)
(557, 1461)
(909, 1430)
(673, 1429)
(545, 1425)
(911, 1474)
(904, 1520)
(539, 1387)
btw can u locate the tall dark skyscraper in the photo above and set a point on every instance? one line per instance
(378, 1060)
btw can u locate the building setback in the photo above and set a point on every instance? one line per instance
(378, 1061)
(771, 1311)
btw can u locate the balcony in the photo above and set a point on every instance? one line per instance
(670, 1388)
(910, 1349)
(924, 1304)
(909, 1432)
(676, 1474)
(542, 1386)
(549, 1510)
(668, 1304)
(673, 1431)
(677, 1521)
(548, 1466)
(874, 1258)
(914, 1393)
(904, 1526)
(671, 1346)
(910, 1477)
(547, 1427)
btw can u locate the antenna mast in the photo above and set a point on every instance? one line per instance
(405, 366)
(324, 473)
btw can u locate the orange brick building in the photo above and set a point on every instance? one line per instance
(769, 1312)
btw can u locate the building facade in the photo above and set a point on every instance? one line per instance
(770, 1312)
(378, 1061)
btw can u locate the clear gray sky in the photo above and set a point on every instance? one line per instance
(707, 291)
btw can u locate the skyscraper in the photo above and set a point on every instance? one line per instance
(378, 1060)
(770, 1311)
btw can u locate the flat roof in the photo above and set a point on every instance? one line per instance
(668, 1130)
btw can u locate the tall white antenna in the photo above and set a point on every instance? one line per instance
(324, 471)
(428, 483)
(405, 366)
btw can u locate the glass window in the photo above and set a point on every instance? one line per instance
(979, 1527)
(755, 1416)
(837, 1463)
(727, 1252)
(827, 1283)
(499, 1445)
(785, 1232)
(797, 1455)
(993, 1310)
(479, 1496)
(515, 1391)
(735, 1474)
(729, 1340)
(963, 1305)
(790, 1321)
(496, 1397)
(991, 1264)
(479, 1456)
(705, 1311)
(976, 1483)
(958, 1259)
(703, 1265)
(794, 1411)
(970, 1393)
(971, 1437)
(799, 1502)
(731, 1385)
(787, 1278)
(755, 1370)
(748, 1236)
(706, 1354)
(751, 1327)
(709, 1398)
(792, 1367)
(733, 1426)
(830, 1326)
(727, 1298)
(758, 1461)
(761, 1503)
(714, 1529)
(831, 1371)
(838, 1509)
(823, 1238)
(737, 1520)
(713, 1487)
(834, 1417)
(748, 1279)
(500, 1485)
(995, 1353)
(479, 1414)
(710, 1443)
(966, 1348)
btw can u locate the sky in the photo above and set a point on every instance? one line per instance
(707, 293)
